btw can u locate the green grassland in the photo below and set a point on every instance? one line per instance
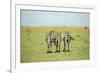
(34, 47)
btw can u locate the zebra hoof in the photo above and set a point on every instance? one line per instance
(64, 51)
(49, 51)
(68, 50)
(56, 51)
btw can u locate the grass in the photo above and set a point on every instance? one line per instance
(34, 47)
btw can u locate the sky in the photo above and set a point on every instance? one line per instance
(54, 18)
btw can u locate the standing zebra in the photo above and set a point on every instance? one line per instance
(53, 38)
(67, 39)
(48, 41)
(58, 39)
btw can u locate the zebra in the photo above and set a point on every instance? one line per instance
(58, 39)
(48, 41)
(53, 38)
(67, 39)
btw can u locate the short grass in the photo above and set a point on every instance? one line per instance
(34, 47)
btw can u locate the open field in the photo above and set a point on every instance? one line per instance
(34, 47)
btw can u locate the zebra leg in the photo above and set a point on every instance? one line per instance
(68, 46)
(48, 49)
(56, 48)
(59, 47)
(64, 50)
